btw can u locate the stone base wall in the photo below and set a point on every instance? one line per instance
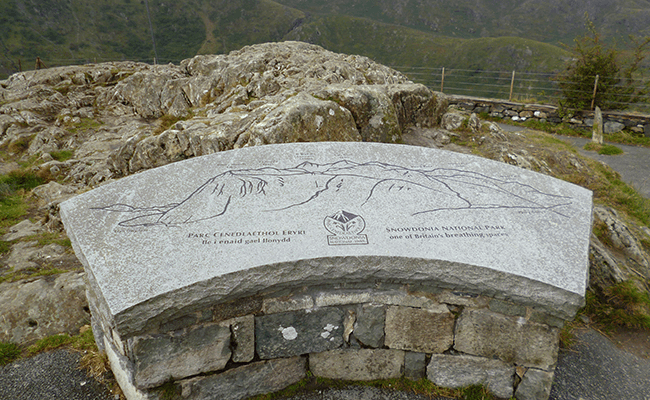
(264, 344)
(612, 121)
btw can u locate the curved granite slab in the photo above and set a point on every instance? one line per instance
(237, 223)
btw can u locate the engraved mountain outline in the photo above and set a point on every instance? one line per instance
(429, 189)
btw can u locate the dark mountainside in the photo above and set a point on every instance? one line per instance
(479, 35)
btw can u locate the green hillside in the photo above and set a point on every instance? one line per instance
(65, 32)
(550, 21)
(400, 46)
(476, 35)
(76, 31)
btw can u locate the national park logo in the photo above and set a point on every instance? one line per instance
(345, 229)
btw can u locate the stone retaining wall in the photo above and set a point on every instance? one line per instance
(265, 344)
(612, 121)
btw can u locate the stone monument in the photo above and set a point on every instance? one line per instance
(254, 265)
(597, 132)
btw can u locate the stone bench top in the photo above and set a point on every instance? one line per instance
(238, 222)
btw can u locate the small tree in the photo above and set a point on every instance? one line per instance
(615, 84)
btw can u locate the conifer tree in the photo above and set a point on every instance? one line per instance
(596, 64)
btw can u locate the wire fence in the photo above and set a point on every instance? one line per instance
(518, 86)
(24, 65)
(526, 87)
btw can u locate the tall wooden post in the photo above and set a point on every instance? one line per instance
(442, 83)
(512, 85)
(593, 97)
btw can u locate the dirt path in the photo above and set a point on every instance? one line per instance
(210, 41)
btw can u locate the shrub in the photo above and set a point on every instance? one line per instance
(615, 84)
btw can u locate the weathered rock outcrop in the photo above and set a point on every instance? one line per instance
(269, 93)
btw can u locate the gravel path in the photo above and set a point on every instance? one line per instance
(595, 369)
(49, 376)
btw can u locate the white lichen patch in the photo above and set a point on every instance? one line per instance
(289, 333)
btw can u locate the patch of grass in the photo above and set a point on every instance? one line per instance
(169, 391)
(46, 238)
(83, 342)
(8, 352)
(567, 337)
(548, 140)
(604, 149)
(558, 129)
(625, 137)
(538, 125)
(94, 362)
(11, 209)
(20, 145)
(62, 155)
(13, 187)
(599, 228)
(476, 392)
(610, 190)
(30, 162)
(567, 333)
(610, 150)
(166, 121)
(621, 305)
(63, 89)
(465, 139)
(48, 343)
(16, 180)
(5, 247)
(30, 273)
(84, 124)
